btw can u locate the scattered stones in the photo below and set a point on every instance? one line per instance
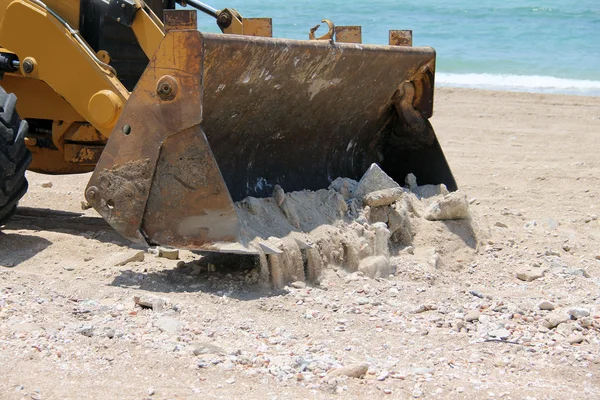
(352, 371)
(472, 316)
(383, 197)
(450, 207)
(546, 305)
(578, 313)
(530, 274)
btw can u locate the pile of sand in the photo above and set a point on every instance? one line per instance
(374, 227)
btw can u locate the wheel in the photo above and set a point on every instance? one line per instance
(14, 156)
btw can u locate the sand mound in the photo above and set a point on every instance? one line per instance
(298, 235)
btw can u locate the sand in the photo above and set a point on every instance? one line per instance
(529, 167)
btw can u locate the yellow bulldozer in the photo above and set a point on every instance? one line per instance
(178, 124)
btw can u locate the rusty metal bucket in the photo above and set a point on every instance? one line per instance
(216, 118)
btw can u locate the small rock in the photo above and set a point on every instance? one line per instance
(155, 303)
(109, 332)
(472, 315)
(352, 371)
(530, 224)
(46, 184)
(500, 333)
(529, 275)
(555, 318)
(354, 277)
(125, 257)
(411, 182)
(477, 294)
(422, 371)
(428, 191)
(579, 313)
(383, 376)
(500, 225)
(450, 207)
(374, 179)
(87, 330)
(566, 247)
(207, 348)
(344, 186)
(546, 305)
(151, 392)
(375, 267)
(575, 338)
(383, 197)
(170, 254)
(278, 195)
(298, 285)
(230, 381)
(361, 301)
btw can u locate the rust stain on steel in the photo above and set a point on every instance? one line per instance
(189, 203)
(301, 113)
(401, 38)
(180, 20)
(348, 34)
(119, 192)
(258, 27)
(82, 154)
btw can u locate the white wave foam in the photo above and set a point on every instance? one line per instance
(520, 83)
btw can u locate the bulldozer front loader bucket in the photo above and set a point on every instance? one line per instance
(216, 118)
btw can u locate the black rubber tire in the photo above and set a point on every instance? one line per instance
(14, 156)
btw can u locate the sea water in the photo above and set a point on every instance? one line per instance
(550, 46)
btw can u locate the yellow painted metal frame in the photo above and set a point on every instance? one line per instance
(63, 63)
(148, 29)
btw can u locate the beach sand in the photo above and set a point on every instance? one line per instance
(529, 164)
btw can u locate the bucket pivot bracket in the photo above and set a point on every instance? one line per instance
(327, 36)
(403, 102)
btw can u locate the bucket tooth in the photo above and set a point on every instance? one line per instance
(258, 27)
(348, 34)
(401, 38)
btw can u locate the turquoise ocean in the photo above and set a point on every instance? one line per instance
(550, 46)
